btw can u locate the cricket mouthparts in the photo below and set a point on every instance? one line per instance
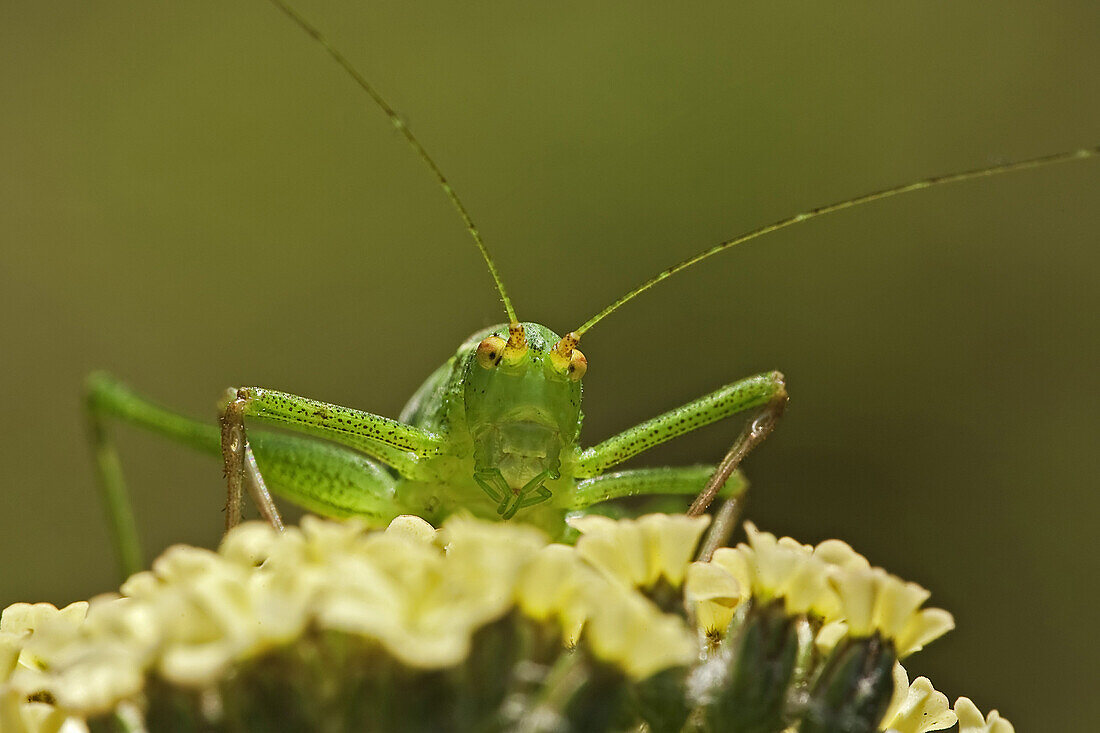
(513, 460)
(522, 450)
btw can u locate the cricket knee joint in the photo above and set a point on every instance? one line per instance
(232, 408)
(103, 394)
(764, 421)
(241, 469)
(780, 385)
(232, 424)
(233, 442)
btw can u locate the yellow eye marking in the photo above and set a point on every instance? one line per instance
(491, 351)
(562, 354)
(566, 358)
(578, 365)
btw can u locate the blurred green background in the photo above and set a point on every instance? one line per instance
(195, 197)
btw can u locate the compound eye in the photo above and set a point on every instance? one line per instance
(491, 351)
(578, 365)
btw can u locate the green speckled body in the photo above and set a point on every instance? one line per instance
(462, 402)
(499, 440)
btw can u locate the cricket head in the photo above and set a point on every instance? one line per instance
(522, 399)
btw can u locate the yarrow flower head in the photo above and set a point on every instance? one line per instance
(830, 583)
(766, 569)
(483, 625)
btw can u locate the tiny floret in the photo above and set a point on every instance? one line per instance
(640, 552)
(873, 601)
(769, 568)
(916, 708)
(971, 720)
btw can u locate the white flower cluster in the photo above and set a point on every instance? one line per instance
(420, 594)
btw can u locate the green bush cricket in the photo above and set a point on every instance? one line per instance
(458, 432)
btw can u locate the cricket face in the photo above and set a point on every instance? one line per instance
(522, 406)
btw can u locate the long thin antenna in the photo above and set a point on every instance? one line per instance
(398, 123)
(1018, 165)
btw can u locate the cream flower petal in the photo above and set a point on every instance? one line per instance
(923, 627)
(631, 632)
(130, 622)
(250, 543)
(971, 720)
(713, 594)
(829, 635)
(773, 563)
(738, 562)
(17, 716)
(22, 618)
(413, 528)
(670, 541)
(10, 647)
(639, 552)
(923, 709)
(95, 676)
(40, 631)
(901, 693)
(806, 588)
(787, 569)
(140, 585)
(857, 593)
(616, 548)
(548, 583)
(181, 563)
(841, 554)
(895, 604)
(324, 537)
(872, 601)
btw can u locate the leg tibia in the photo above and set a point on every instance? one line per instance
(112, 487)
(325, 478)
(680, 481)
(747, 394)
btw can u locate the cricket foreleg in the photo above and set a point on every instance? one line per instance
(394, 443)
(678, 481)
(324, 478)
(763, 393)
